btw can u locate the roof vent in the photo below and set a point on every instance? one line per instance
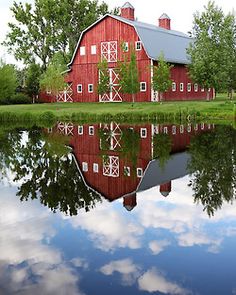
(127, 11)
(164, 21)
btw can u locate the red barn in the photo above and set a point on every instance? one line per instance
(104, 40)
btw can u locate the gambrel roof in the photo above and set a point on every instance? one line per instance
(155, 40)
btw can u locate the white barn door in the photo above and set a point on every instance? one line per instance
(114, 94)
(66, 95)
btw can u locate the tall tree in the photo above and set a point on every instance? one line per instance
(33, 74)
(8, 82)
(129, 76)
(49, 26)
(161, 80)
(53, 78)
(209, 53)
(104, 78)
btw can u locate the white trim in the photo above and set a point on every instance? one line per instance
(181, 87)
(136, 45)
(143, 132)
(195, 87)
(79, 86)
(95, 167)
(93, 49)
(91, 130)
(85, 166)
(141, 86)
(126, 170)
(189, 87)
(173, 87)
(82, 50)
(90, 90)
(80, 130)
(139, 172)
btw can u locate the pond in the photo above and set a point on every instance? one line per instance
(118, 209)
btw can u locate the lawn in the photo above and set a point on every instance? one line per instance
(220, 108)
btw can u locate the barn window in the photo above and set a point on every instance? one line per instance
(195, 87)
(181, 87)
(173, 86)
(173, 129)
(91, 130)
(126, 171)
(95, 167)
(139, 172)
(80, 130)
(90, 88)
(93, 49)
(189, 87)
(109, 51)
(79, 88)
(209, 89)
(126, 46)
(143, 86)
(138, 45)
(85, 166)
(48, 91)
(202, 89)
(143, 132)
(82, 50)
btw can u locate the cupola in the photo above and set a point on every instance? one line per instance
(129, 202)
(165, 189)
(127, 11)
(164, 21)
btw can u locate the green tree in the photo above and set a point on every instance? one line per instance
(104, 78)
(212, 165)
(162, 145)
(209, 53)
(8, 82)
(161, 80)
(49, 26)
(33, 74)
(53, 78)
(129, 76)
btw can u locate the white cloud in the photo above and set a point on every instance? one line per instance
(128, 270)
(158, 246)
(154, 281)
(80, 262)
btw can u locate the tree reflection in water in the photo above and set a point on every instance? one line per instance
(213, 167)
(45, 170)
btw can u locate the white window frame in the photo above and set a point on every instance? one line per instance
(95, 167)
(141, 86)
(189, 87)
(181, 129)
(126, 46)
(82, 50)
(209, 89)
(173, 86)
(91, 130)
(80, 130)
(195, 87)
(173, 129)
(138, 45)
(93, 49)
(48, 91)
(90, 90)
(79, 86)
(139, 172)
(202, 89)
(143, 132)
(84, 166)
(126, 170)
(165, 130)
(181, 87)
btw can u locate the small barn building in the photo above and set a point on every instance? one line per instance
(104, 40)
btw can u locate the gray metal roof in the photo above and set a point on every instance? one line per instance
(127, 5)
(155, 40)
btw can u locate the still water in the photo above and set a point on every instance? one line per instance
(118, 209)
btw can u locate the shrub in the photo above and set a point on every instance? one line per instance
(19, 98)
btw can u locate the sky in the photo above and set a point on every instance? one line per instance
(181, 14)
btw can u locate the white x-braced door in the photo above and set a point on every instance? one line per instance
(66, 95)
(114, 95)
(111, 166)
(109, 51)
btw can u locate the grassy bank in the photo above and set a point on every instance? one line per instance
(219, 109)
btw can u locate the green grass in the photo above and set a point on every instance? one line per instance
(219, 109)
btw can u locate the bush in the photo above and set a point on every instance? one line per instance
(19, 98)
